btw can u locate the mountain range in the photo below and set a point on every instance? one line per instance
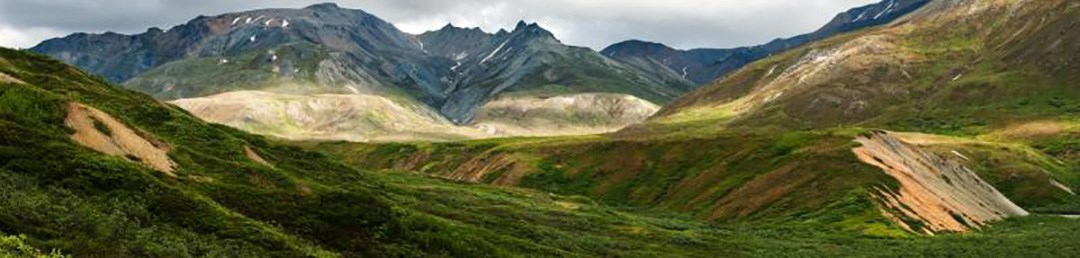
(325, 50)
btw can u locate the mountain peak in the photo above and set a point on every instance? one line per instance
(635, 43)
(323, 6)
(532, 29)
(521, 25)
(635, 47)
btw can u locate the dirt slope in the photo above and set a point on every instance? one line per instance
(7, 78)
(936, 194)
(251, 154)
(100, 131)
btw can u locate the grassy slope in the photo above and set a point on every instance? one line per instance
(65, 197)
(581, 226)
(765, 175)
(79, 201)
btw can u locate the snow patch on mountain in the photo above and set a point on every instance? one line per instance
(887, 9)
(493, 53)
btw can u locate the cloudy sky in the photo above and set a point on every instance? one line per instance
(592, 23)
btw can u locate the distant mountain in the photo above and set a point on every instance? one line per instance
(706, 65)
(455, 43)
(325, 49)
(322, 46)
(530, 59)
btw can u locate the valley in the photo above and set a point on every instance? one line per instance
(900, 128)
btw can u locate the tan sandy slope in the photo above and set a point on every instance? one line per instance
(100, 131)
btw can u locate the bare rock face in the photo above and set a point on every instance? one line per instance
(936, 194)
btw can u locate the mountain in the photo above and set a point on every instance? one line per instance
(530, 60)
(455, 43)
(704, 65)
(321, 48)
(325, 50)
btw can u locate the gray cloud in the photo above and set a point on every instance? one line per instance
(592, 23)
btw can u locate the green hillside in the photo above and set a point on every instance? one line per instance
(64, 198)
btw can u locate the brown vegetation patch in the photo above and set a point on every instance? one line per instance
(474, 170)
(762, 191)
(1034, 129)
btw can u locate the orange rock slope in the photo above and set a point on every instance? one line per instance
(936, 194)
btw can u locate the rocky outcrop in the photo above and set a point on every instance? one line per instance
(936, 194)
